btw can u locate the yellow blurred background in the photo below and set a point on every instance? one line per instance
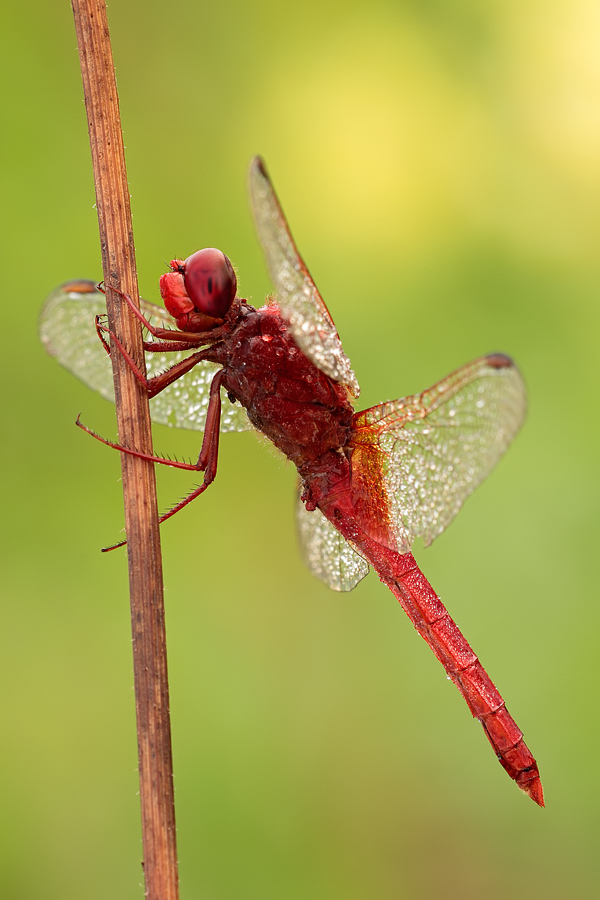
(439, 161)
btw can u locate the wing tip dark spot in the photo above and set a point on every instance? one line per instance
(258, 163)
(499, 361)
(79, 286)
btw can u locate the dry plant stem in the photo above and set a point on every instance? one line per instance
(139, 488)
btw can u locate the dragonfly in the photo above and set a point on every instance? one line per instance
(370, 482)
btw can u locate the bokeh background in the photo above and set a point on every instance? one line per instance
(439, 161)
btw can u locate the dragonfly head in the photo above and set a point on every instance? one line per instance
(199, 291)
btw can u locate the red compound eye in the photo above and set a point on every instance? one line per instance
(210, 282)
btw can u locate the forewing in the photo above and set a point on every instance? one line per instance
(68, 331)
(299, 300)
(327, 554)
(436, 447)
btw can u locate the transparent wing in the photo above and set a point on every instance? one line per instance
(299, 300)
(328, 555)
(435, 448)
(67, 330)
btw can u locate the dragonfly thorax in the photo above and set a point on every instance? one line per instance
(301, 409)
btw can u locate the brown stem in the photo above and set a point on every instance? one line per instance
(139, 488)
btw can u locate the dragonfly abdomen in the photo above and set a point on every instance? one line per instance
(434, 624)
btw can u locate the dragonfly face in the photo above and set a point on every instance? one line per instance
(199, 291)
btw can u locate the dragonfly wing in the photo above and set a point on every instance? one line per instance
(326, 553)
(437, 447)
(299, 300)
(68, 331)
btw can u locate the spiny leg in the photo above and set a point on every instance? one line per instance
(99, 329)
(207, 461)
(157, 383)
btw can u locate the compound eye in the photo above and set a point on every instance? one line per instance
(210, 282)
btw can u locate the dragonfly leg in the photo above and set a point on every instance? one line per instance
(157, 332)
(174, 463)
(157, 383)
(210, 442)
(193, 338)
(140, 375)
(99, 329)
(149, 346)
(167, 347)
(207, 461)
(209, 454)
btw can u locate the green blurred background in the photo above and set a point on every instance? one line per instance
(439, 161)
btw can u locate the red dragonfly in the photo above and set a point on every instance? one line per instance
(370, 481)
